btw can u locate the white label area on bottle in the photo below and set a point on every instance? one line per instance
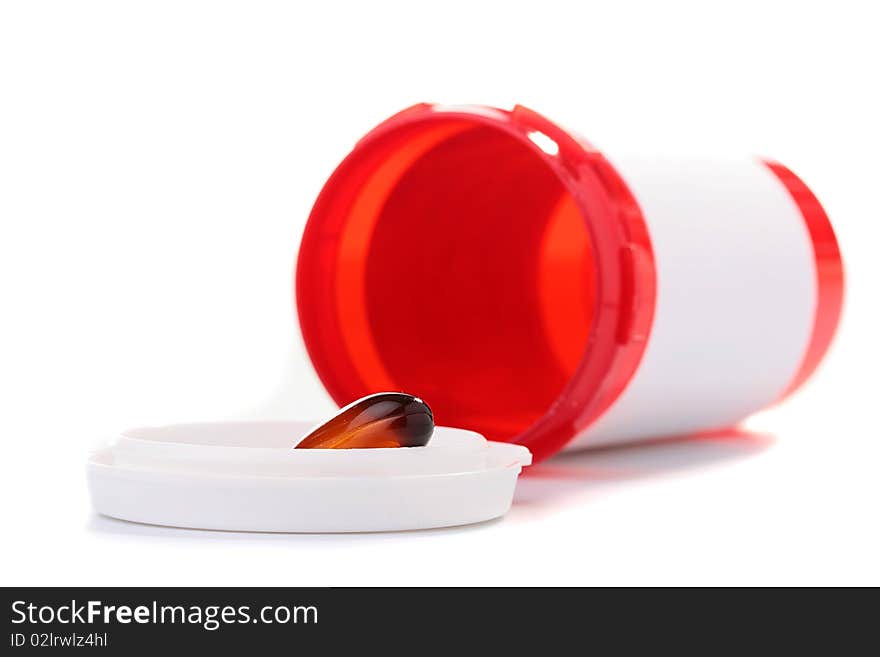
(736, 296)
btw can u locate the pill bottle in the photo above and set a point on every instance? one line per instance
(539, 291)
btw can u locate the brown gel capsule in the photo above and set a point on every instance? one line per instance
(386, 419)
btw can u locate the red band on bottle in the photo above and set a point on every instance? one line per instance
(829, 273)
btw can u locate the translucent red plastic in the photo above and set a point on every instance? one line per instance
(829, 273)
(464, 255)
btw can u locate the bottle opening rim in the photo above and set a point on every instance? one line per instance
(342, 243)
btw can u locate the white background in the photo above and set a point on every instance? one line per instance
(157, 164)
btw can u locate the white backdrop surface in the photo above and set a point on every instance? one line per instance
(158, 162)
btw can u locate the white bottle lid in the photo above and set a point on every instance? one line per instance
(245, 476)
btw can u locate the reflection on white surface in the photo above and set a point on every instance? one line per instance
(573, 477)
(112, 527)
